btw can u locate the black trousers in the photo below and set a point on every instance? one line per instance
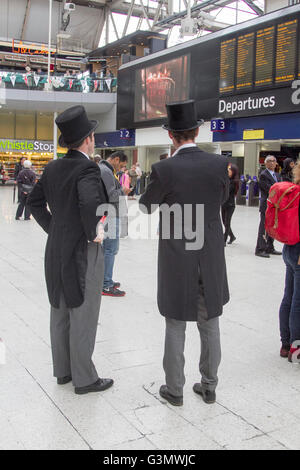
(264, 241)
(227, 213)
(22, 205)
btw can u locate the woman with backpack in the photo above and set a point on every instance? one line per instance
(289, 313)
(26, 180)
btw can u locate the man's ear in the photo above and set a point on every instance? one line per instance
(197, 132)
(170, 135)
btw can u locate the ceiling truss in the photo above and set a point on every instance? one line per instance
(160, 18)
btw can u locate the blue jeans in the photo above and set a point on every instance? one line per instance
(289, 313)
(110, 248)
(138, 185)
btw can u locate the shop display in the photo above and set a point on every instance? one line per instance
(8, 162)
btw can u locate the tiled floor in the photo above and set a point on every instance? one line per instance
(258, 398)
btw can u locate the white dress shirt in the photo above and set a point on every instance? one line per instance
(184, 146)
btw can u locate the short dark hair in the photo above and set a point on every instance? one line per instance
(181, 136)
(119, 154)
(163, 156)
(76, 145)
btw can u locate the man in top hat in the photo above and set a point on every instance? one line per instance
(192, 280)
(74, 265)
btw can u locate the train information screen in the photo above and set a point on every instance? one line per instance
(286, 51)
(245, 56)
(251, 58)
(227, 66)
(265, 40)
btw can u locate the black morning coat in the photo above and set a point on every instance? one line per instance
(266, 180)
(73, 189)
(191, 177)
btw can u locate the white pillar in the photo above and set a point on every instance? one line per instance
(49, 42)
(55, 136)
(251, 158)
(142, 157)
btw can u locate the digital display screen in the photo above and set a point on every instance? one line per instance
(244, 69)
(265, 40)
(286, 51)
(160, 84)
(227, 66)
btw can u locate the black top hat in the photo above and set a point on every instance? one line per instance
(74, 126)
(182, 116)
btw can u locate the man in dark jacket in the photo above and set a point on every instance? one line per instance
(116, 196)
(72, 188)
(265, 244)
(192, 281)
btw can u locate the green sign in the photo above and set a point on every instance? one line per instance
(8, 145)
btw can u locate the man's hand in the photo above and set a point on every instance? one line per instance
(100, 233)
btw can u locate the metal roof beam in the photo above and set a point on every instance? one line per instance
(25, 19)
(200, 6)
(254, 7)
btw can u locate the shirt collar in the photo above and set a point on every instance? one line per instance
(184, 146)
(84, 154)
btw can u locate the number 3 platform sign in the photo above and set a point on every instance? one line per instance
(218, 125)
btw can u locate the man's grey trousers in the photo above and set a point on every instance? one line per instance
(210, 357)
(73, 330)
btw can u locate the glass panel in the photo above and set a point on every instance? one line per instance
(25, 126)
(7, 125)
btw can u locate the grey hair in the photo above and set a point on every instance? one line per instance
(268, 157)
(27, 164)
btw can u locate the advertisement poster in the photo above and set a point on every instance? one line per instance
(160, 84)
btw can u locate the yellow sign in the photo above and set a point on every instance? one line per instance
(254, 134)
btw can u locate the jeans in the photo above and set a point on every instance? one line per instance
(289, 313)
(110, 248)
(138, 186)
(22, 205)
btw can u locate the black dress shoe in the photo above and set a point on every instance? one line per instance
(231, 240)
(274, 252)
(164, 393)
(208, 397)
(99, 386)
(262, 254)
(64, 380)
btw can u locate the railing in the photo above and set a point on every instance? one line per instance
(32, 81)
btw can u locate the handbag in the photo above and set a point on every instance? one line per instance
(26, 188)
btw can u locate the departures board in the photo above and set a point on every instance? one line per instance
(245, 70)
(255, 56)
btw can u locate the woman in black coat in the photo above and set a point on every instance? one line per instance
(287, 171)
(19, 167)
(229, 206)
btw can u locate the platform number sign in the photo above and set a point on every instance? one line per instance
(218, 125)
(125, 134)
